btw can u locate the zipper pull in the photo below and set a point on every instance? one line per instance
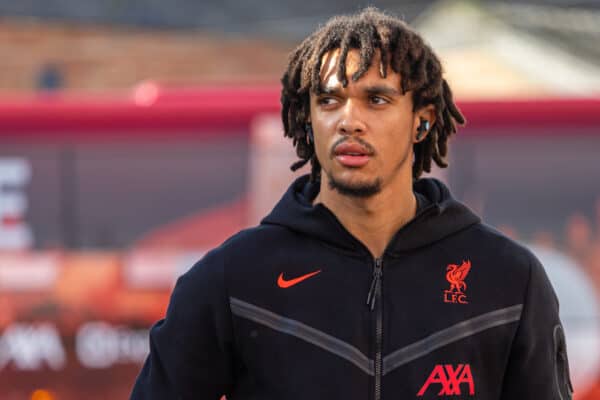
(375, 283)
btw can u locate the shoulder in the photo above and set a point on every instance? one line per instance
(256, 242)
(493, 241)
(243, 248)
(520, 269)
(495, 251)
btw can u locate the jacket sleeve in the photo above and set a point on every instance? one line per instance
(538, 366)
(191, 348)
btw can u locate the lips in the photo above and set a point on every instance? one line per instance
(352, 154)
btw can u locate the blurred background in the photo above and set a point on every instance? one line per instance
(137, 134)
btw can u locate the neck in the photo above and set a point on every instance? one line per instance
(373, 220)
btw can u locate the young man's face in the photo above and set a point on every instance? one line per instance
(364, 133)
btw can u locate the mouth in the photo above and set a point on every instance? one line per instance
(353, 155)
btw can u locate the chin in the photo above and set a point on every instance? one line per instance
(354, 186)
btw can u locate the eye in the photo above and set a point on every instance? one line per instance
(325, 101)
(377, 100)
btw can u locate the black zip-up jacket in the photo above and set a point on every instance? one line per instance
(297, 308)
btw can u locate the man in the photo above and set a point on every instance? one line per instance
(364, 282)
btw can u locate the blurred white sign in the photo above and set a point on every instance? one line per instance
(35, 346)
(28, 271)
(15, 234)
(101, 345)
(157, 269)
(31, 347)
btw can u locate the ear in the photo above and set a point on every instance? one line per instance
(422, 115)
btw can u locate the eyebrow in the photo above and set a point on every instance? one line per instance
(370, 90)
(330, 89)
(382, 89)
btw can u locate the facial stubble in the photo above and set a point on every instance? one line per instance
(362, 189)
(359, 190)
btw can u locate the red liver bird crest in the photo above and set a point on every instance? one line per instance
(456, 276)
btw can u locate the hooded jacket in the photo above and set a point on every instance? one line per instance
(297, 308)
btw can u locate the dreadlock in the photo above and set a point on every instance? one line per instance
(401, 49)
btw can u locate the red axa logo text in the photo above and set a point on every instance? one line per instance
(451, 381)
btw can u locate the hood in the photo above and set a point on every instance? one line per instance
(442, 217)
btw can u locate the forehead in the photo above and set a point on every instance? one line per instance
(329, 68)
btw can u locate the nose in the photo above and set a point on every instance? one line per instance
(350, 122)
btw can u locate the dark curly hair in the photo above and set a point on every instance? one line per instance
(401, 49)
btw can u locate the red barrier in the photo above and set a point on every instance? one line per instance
(150, 110)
